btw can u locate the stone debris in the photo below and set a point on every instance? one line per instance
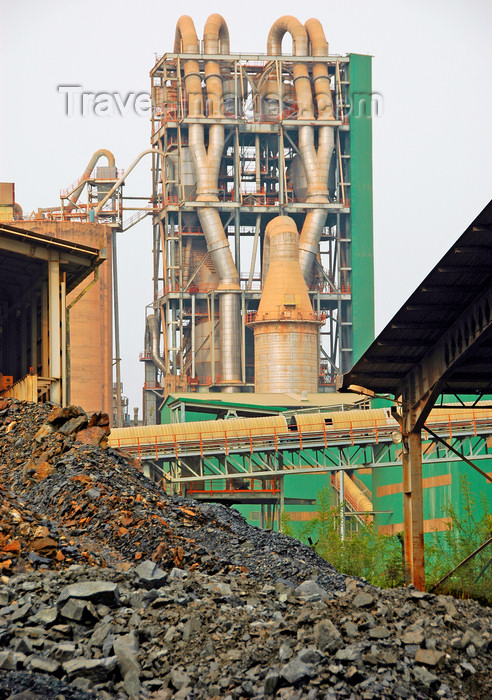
(160, 597)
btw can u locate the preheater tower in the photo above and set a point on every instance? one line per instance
(247, 138)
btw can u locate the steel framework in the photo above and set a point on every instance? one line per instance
(269, 455)
(257, 181)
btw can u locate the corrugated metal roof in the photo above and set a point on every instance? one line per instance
(24, 254)
(233, 427)
(260, 401)
(460, 278)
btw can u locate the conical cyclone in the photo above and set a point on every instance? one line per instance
(286, 329)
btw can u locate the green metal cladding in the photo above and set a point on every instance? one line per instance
(360, 121)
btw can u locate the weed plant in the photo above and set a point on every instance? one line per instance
(365, 553)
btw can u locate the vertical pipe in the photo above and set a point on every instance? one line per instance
(237, 168)
(281, 170)
(180, 282)
(318, 311)
(341, 476)
(193, 359)
(243, 337)
(116, 321)
(212, 334)
(237, 242)
(167, 337)
(257, 163)
(282, 500)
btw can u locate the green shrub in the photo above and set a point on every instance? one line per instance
(445, 550)
(363, 552)
(379, 558)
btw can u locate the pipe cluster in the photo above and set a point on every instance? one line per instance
(207, 155)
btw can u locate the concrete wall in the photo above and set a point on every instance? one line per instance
(91, 350)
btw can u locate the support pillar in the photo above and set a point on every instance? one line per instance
(243, 337)
(413, 513)
(54, 326)
(212, 335)
(341, 477)
(116, 320)
(281, 502)
(193, 334)
(34, 331)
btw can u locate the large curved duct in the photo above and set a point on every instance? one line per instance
(321, 79)
(317, 166)
(316, 162)
(186, 41)
(101, 153)
(215, 41)
(355, 497)
(206, 161)
(291, 25)
(154, 334)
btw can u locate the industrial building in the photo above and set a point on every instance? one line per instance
(262, 184)
(86, 309)
(263, 278)
(42, 339)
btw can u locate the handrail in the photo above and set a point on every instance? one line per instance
(281, 440)
(123, 177)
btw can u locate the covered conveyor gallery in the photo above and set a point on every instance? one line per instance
(438, 343)
(36, 274)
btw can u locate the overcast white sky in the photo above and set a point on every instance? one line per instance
(432, 146)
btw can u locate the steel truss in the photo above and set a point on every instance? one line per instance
(270, 456)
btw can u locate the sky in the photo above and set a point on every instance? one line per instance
(432, 143)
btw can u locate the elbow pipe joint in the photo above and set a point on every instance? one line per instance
(216, 35)
(284, 25)
(154, 333)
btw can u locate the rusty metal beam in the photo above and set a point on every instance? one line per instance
(465, 560)
(413, 514)
(419, 393)
(398, 343)
(54, 325)
(36, 248)
(456, 452)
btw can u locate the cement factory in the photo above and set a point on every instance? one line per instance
(263, 299)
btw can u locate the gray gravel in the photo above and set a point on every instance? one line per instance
(109, 588)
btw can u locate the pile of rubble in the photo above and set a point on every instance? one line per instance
(110, 588)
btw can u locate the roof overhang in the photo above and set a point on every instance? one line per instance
(444, 328)
(25, 254)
